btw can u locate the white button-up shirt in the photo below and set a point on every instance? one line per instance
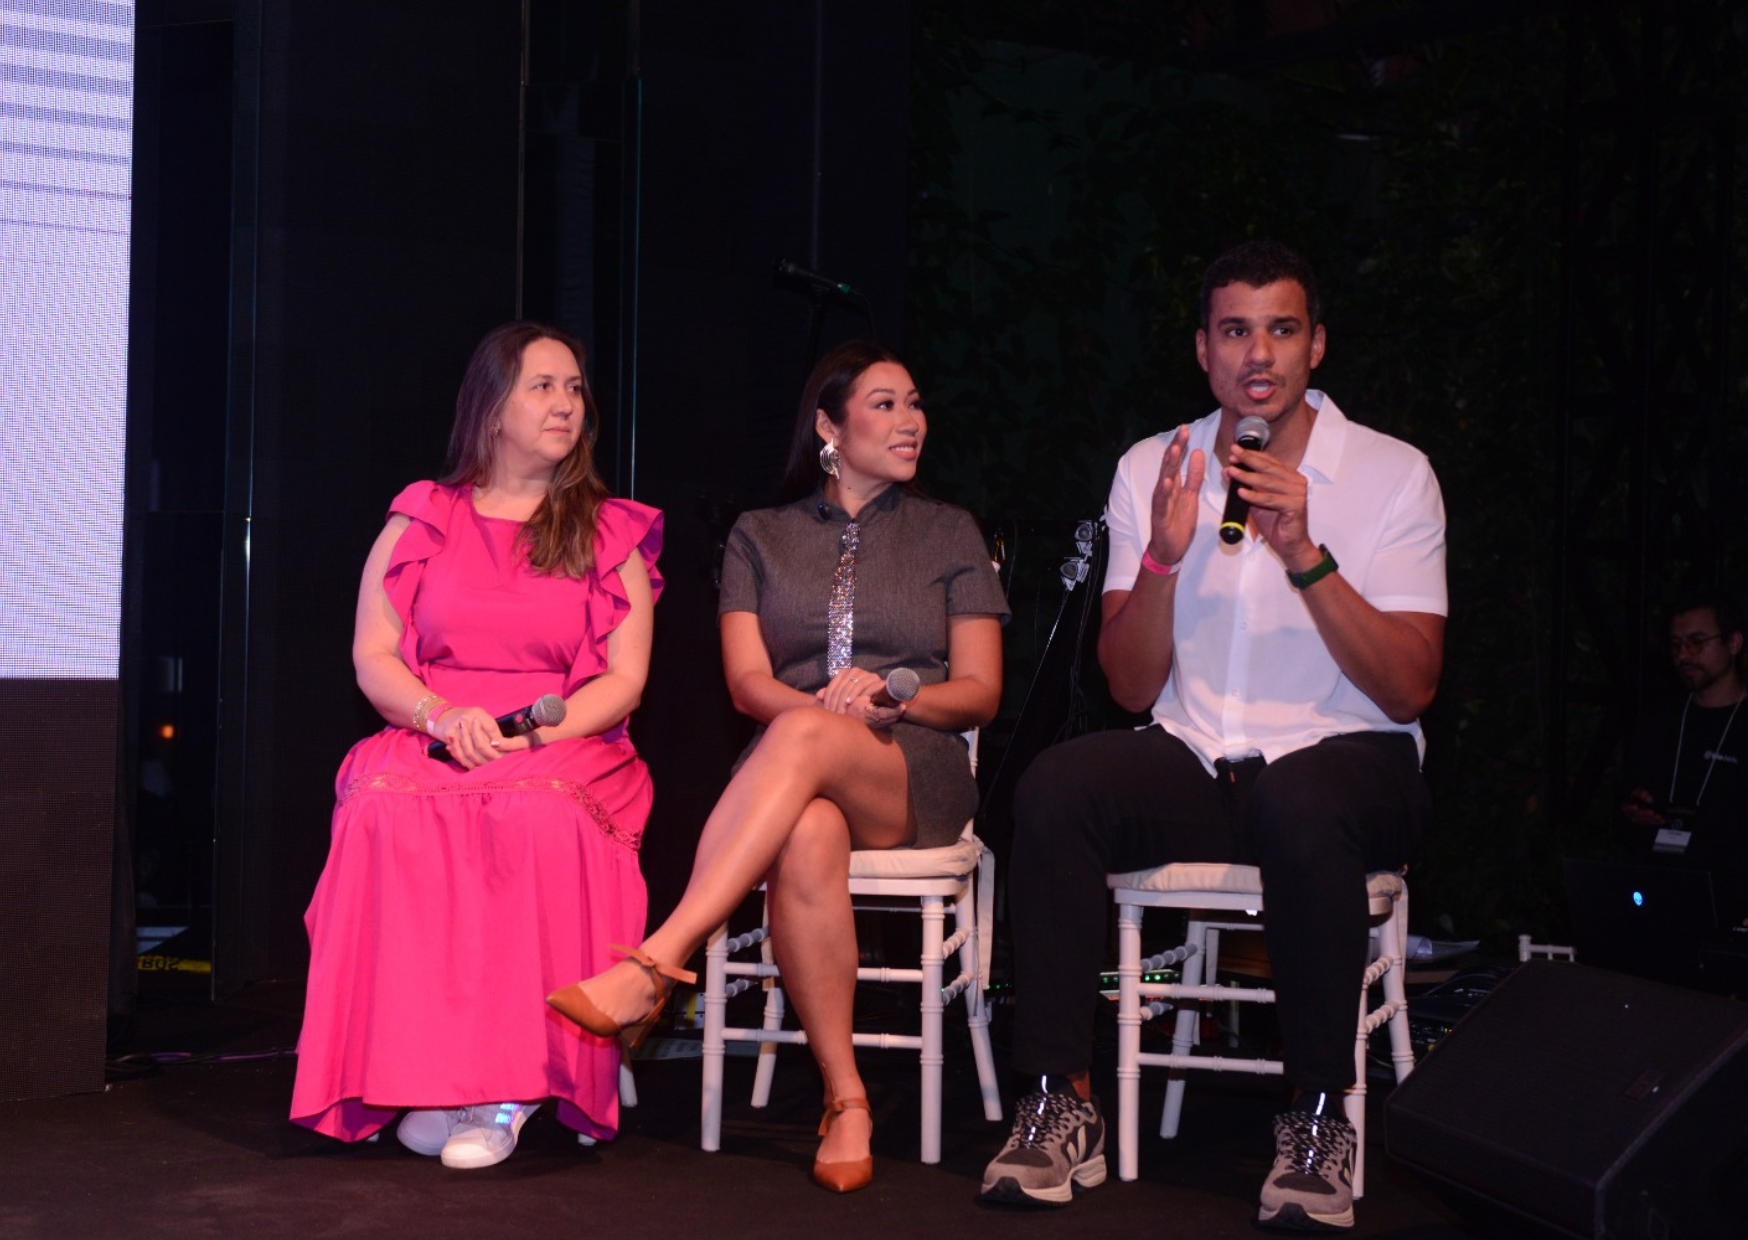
(1250, 675)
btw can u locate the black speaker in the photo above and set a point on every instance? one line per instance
(1594, 1104)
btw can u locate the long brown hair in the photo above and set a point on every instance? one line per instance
(829, 387)
(560, 536)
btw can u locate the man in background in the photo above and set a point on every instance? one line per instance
(1687, 803)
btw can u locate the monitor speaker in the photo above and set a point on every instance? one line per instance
(1591, 1103)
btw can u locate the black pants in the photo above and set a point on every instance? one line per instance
(1316, 821)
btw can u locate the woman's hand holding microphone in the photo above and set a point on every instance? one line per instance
(879, 702)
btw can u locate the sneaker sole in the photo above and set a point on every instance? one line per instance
(1294, 1217)
(1008, 1191)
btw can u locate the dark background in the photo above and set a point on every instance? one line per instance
(1528, 219)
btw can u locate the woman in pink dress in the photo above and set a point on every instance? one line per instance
(457, 886)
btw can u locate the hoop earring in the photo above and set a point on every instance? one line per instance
(828, 457)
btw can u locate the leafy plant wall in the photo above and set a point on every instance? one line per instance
(1064, 206)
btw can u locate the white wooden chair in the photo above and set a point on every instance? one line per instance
(1528, 951)
(1206, 891)
(925, 882)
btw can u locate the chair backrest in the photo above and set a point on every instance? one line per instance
(1527, 950)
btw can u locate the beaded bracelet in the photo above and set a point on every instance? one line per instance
(423, 709)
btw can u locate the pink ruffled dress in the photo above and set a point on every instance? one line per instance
(453, 901)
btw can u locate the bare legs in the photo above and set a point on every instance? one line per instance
(814, 935)
(817, 785)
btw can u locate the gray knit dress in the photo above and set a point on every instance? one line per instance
(919, 562)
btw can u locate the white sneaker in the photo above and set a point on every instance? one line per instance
(486, 1135)
(425, 1132)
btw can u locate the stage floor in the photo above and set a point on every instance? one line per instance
(202, 1148)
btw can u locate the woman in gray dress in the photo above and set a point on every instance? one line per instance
(855, 575)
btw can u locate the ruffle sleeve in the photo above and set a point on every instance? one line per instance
(429, 506)
(623, 528)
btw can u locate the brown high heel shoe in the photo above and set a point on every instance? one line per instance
(574, 1004)
(843, 1177)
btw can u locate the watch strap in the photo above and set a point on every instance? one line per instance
(1317, 572)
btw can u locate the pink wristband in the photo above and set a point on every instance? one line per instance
(1154, 566)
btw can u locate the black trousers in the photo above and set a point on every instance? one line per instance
(1316, 821)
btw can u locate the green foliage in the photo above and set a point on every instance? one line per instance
(1065, 205)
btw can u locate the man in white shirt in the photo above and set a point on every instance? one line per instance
(1285, 690)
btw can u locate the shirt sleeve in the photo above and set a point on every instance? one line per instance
(1125, 519)
(973, 588)
(1409, 564)
(742, 569)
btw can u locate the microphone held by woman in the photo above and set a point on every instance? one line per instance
(901, 686)
(548, 711)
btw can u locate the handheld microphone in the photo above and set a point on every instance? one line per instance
(812, 281)
(1251, 433)
(547, 711)
(901, 686)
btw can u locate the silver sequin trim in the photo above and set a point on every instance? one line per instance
(840, 612)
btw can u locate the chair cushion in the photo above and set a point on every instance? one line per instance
(1191, 876)
(1219, 876)
(953, 861)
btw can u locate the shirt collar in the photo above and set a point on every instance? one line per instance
(875, 508)
(1322, 459)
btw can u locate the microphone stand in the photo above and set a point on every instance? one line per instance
(815, 323)
(817, 297)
